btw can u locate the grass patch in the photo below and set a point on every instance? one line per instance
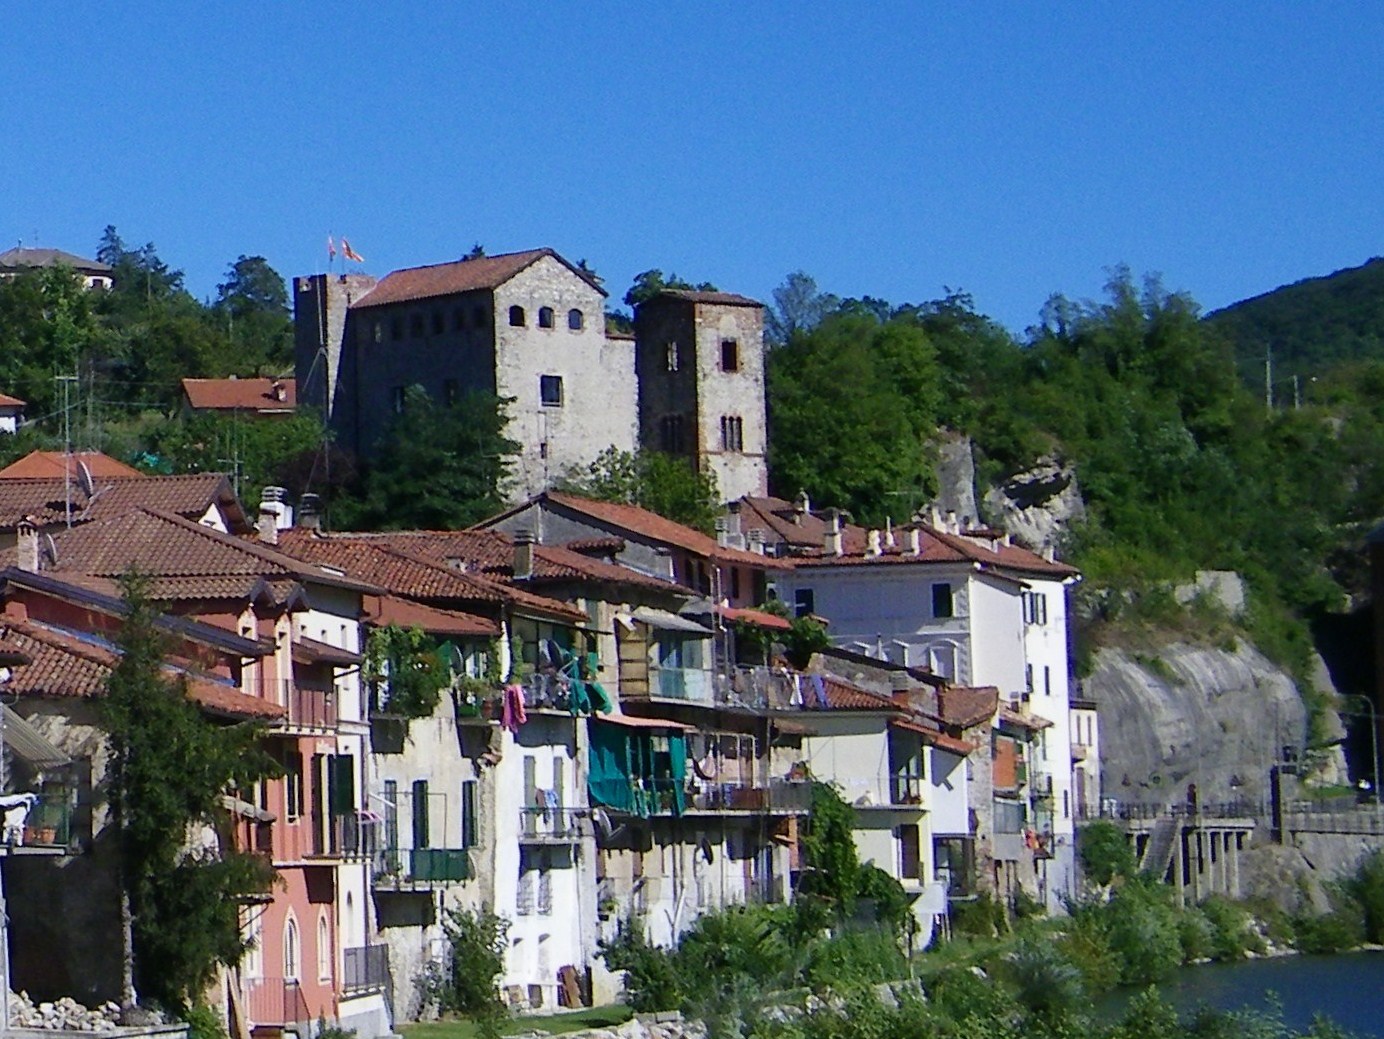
(575, 1021)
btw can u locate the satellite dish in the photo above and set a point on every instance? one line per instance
(84, 478)
(50, 549)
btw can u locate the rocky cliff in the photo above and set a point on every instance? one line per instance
(1183, 714)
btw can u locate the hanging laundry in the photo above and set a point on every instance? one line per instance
(819, 691)
(795, 698)
(512, 714)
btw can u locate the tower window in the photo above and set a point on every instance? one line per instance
(574, 320)
(516, 316)
(732, 433)
(670, 429)
(730, 355)
(672, 357)
(942, 600)
(545, 317)
(550, 390)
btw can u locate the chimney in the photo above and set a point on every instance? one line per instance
(27, 545)
(310, 512)
(268, 525)
(934, 517)
(802, 506)
(915, 541)
(523, 555)
(1049, 553)
(889, 540)
(872, 543)
(831, 541)
(274, 502)
(722, 531)
(754, 540)
(952, 526)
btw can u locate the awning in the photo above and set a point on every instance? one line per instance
(669, 621)
(29, 743)
(631, 722)
(759, 618)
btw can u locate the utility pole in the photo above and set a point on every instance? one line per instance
(67, 382)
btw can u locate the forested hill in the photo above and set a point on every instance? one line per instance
(1311, 325)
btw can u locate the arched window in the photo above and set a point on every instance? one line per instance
(545, 317)
(516, 316)
(292, 949)
(253, 963)
(324, 949)
(574, 320)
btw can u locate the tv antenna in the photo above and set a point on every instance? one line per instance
(50, 549)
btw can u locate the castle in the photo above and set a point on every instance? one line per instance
(530, 326)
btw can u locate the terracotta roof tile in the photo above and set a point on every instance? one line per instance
(50, 464)
(654, 527)
(241, 394)
(390, 609)
(445, 279)
(6, 401)
(45, 500)
(706, 296)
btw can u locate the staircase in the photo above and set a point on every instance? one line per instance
(1158, 852)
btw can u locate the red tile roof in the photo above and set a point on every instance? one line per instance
(758, 618)
(47, 464)
(6, 401)
(64, 665)
(1024, 720)
(390, 609)
(445, 279)
(842, 696)
(653, 527)
(45, 500)
(967, 706)
(805, 534)
(241, 394)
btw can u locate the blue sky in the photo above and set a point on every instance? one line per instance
(1009, 150)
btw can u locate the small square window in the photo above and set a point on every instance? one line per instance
(730, 355)
(575, 320)
(804, 602)
(516, 316)
(672, 357)
(550, 390)
(942, 600)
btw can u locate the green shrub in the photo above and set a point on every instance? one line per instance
(855, 956)
(1104, 852)
(467, 983)
(203, 1022)
(651, 975)
(1086, 944)
(1234, 933)
(1025, 906)
(982, 917)
(1196, 935)
(1335, 931)
(1143, 932)
(1045, 982)
(1366, 889)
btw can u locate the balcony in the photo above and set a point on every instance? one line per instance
(548, 825)
(900, 792)
(779, 796)
(355, 836)
(420, 869)
(683, 683)
(275, 1002)
(309, 710)
(365, 968)
(906, 788)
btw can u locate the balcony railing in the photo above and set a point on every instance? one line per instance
(685, 683)
(275, 1001)
(548, 824)
(906, 788)
(416, 868)
(886, 791)
(365, 968)
(309, 710)
(778, 796)
(355, 836)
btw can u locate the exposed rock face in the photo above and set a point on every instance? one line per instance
(956, 478)
(1192, 715)
(1038, 505)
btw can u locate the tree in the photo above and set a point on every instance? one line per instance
(403, 671)
(650, 283)
(659, 482)
(1104, 852)
(437, 467)
(852, 408)
(798, 307)
(256, 451)
(169, 767)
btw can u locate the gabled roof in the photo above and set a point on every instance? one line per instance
(62, 664)
(45, 500)
(631, 521)
(49, 464)
(446, 279)
(804, 534)
(391, 609)
(241, 394)
(21, 258)
(6, 401)
(380, 560)
(166, 545)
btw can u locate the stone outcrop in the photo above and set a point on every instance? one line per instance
(956, 478)
(1037, 506)
(1184, 714)
(63, 1015)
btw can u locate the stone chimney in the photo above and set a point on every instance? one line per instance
(872, 543)
(915, 541)
(275, 514)
(310, 512)
(754, 540)
(952, 527)
(889, 540)
(523, 555)
(27, 545)
(831, 540)
(802, 506)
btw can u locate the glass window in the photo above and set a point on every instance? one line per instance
(292, 949)
(550, 390)
(574, 320)
(730, 355)
(545, 317)
(516, 316)
(804, 602)
(942, 600)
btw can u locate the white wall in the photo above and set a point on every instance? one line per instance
(948, 802)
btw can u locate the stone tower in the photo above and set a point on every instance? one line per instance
(699, 362)
(321, 303)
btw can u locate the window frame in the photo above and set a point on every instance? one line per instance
(576, 320)
(730, 352)
(548, 399)
(517, 317)
(546, 317)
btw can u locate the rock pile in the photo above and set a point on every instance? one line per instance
(64, 1015)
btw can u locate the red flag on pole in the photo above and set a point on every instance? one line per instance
(350, 253)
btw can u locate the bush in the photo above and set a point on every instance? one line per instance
(466, 984)
(1045, 982)
(204, 1023)
(1366, 889)
(1025, 906)
(1196, 934)
(855, 956)
(982, 918)
(1233, 927)
(1086, 944)
(1104, 852)
(1335, 931)
(651, 976)
(1143, 931)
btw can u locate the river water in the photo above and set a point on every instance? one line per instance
(1348, 988)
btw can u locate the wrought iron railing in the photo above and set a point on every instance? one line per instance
(419, 867)
(364, 968)
(308, 710)
(555, 824)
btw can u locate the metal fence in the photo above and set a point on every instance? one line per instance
(365, 967)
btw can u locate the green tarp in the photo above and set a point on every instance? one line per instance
(637, 771)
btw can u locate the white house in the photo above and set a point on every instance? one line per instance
(11, 413)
